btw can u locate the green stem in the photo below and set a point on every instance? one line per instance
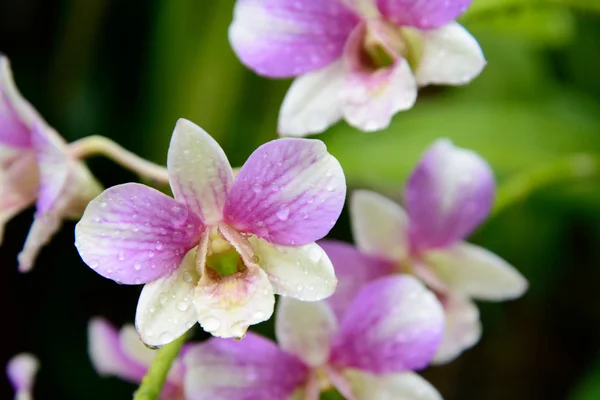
(573, 167)
(154, 380)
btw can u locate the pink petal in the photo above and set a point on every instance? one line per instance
(17, 116)
(21, 371)
(394, 324)
(354, 270)
(289, 192)
(448, 195)
(18, 183)
(463, 328)
(107, 355)
(65, 188)
(135, 234)
(305, 329)
(279, 38)
(428, 14)
(199, 172)
(250, 369)
(370, 98)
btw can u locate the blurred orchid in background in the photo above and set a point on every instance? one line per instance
(391, 328)
(123, 355)
(360, 60)
(447, 196)
(219, 251)
(35, 164)
(21, 371)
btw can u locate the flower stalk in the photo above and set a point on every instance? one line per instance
(154, 380)
(100, 145)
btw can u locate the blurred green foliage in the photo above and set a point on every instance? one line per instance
(129, 70)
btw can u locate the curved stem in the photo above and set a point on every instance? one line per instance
(517, 188)
(100, 145)
(154, 380)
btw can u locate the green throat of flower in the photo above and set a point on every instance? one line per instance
(226, 263)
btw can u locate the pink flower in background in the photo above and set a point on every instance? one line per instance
(448, 195)
(392, 327)
(35, 165)
(21, 371)
(123, 355)
(358, 60)
(220, 249)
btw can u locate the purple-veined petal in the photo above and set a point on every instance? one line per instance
(65, 189)
(305, 329)
(301, 272)
(353, 270)
(476, 272)
(313, 102)
(21, 371)
(107, 355)
(249, 369)
(395, 324)
(165, 309)
(199, 172)
(404, 386)
(463, 328)
(428, 14)
(227, 305)
(17, 116)
(449, 56)
(379, 225)
(18, 183)
(448, 195)
(289, 192)
(279, 38)
(134, 234)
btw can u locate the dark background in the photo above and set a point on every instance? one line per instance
(129, 69)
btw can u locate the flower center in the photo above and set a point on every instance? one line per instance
(222, 257)
(384, 43)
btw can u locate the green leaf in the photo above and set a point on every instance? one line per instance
(489, 6)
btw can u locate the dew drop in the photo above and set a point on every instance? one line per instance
(315, 254)
(299, 287)
(150, 254)
(121, 255)
(330, 188)
(258, 315)
(94, 264)
(182, 306)
(159, 245)
(187, 277)
(137, 281)
(211, 324)
(137, 265)
(162, 298)
(256, 188)
(283, 213)
(103, 204)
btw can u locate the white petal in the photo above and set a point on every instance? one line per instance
(165, 310)
(463, 329)
(312, 103)
(133, 346)
(199, 172)
(379, 225)
(401, 386)
(450, 56)
(227, 305)
(476, 272)
(305, 329)
(302, 272)
(370, 99)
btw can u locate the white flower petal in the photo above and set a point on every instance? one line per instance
(450, 56)
(302, 272)
(475, 272)
(399, 386)
(305, 329)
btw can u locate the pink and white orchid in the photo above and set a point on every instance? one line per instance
(219, 251)
(360, 60)
(21, 371)
(35, 164)
(392, 327)
(123, 355)
(448, 195)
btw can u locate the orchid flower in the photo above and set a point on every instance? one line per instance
(391, 328)
(220, 249)
(122, 354)
(21, 371)
(448, 195)
(360, 60)
(35, 164)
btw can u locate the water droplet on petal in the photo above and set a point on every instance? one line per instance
(137, 265)
(299, 287)
(257, 187)
(187, 277)
(162, 298)
(283, 213)
(258, 315)
(121, 255)
(150, 254)
(159, 245)
(315, 253)
(211, 324)
(94, 264)
(182, 306)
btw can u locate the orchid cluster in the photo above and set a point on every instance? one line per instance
(217, 249)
